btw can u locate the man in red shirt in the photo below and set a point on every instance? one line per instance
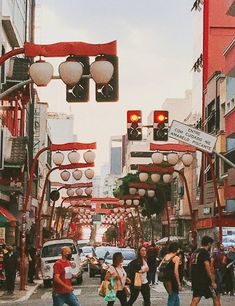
(62, 284)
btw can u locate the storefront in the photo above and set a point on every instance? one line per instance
(7, 226)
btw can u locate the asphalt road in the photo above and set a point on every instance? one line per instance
(88, 296)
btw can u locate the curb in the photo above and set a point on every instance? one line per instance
(28, 294)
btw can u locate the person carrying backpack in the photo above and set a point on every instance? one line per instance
(169, 274)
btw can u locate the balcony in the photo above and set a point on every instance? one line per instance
(230, 7)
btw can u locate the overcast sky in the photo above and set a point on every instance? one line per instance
(155, 50)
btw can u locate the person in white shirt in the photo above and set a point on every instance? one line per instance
(120, 277)
(139, 265)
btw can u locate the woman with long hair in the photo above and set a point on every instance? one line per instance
(118, 273)
(172, 282)
(139, 265)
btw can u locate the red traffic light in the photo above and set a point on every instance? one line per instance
(134, 116)
(160, 116)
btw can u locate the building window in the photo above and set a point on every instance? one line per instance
(230, 205)
(211, 117)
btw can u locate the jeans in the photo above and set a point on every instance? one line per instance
(145, 291)
(218, 279)
(173, 299)
(152, 274)
(121, 295)
(65, 298)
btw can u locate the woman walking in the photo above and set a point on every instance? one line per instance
(139, 265)
(172, 283)
(118, 273)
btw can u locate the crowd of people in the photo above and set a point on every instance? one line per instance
(10, 267)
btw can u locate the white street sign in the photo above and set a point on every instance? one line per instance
(192, 136)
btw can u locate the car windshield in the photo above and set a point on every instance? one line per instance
(229, 240)
(87, 250)
(55, 249)
(101, 251)
(128, 255)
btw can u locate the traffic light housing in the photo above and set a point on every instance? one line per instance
(134, 125)
(109, 92)
(80, 92)
(160, 125)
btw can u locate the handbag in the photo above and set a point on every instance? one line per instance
(138, 280)
(104, 288)
(127, 291)
(111, 295)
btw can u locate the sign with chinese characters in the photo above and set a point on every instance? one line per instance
(2, 235)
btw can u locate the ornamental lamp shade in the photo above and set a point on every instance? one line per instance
(128, 202)
(77, 174)
(122, 210)
(87, 202)
(41, 73)
(187, 159)
(89, 173)
(65, 175)
(151, 193)
(121, 202)
(136, 202)
(58, 158)
(88, 191)
(70, 71)
(155, 177)
(101, 71)
(89, 156)
(70, 192)
(157, 158)
(115, 210)
(172, 158)
(73, 157)
(143, 176)
(167, 178)
(141, 192)
(79, 191)
(132, 190)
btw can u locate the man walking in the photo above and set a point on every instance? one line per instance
(62, 284)
(10, 266)
(202, 273)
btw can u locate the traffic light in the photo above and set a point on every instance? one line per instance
(109, 92)
(160, 125)
(134, 125)
(80, 92)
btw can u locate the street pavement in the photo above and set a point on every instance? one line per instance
(88, 296)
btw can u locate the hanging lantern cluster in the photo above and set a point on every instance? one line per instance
(155, 177)
(173, 158)
(129, 202)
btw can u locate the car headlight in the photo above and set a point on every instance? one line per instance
(73, 265)
(105, 266)
(47, 268)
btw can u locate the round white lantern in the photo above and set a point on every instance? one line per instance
(115, 210)
(136, 202)
(41, 73)
(128, 202)
(187, 159)
(77, 174)
(101, 70)
(132, 190)
(128, 210)
(65, 175)
(89, 156)
(172, 158)
(121, 202)
(87, 202)
(79, 191)
(143, 176)
(80, 202)
(58, 158)
(151, 193)
(70, 71)
(73, 157)
(157, 158)
(141, 192)
(89, 173)
(167, 178)
(82, 210)
(155, 177)
(122, 210)
(70, 192)
(88, 191)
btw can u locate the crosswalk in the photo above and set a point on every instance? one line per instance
(48, 295)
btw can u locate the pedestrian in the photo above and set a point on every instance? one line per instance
(32, 264)
(172, 282)
(152, 263)
(139, 265)
(218, 260)
(62, 285)
(117, 271)
(202, 273)
(229, 271)
(10, 267)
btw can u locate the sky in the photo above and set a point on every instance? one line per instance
(155, 50)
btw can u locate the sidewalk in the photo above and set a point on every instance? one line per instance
(19, 295)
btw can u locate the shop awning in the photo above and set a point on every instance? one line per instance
(8, 216)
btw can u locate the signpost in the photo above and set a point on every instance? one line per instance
(192, 136)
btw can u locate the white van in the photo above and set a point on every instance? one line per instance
(51, 252)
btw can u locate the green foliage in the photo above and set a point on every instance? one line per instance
(111, 233)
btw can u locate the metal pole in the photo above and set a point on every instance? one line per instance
(227, 161)
(14, 88)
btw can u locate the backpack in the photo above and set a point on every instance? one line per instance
(165, 273)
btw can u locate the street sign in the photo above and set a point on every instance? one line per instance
(192, 136)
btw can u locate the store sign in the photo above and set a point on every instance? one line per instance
(192, 136)
(2, 235)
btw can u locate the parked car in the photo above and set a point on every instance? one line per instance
(228, 240)
(86, 253)
(51, 252)
(128, 254)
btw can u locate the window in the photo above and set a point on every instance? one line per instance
(55, 249)
(230, 205)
